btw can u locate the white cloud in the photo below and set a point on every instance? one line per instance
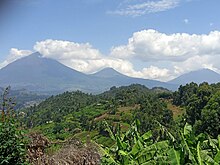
(91, 66)
(152, 72)
(64, 50)
(151, 45)
(84, 58)
(14, 55)
(146, 7)
(155, 73)
(197, 62)
(181, 51)
(157, 55)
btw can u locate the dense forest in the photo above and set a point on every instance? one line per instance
(133, 124)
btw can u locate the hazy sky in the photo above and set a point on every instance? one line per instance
(156, 39)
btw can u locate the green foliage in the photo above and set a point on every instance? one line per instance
(154, 139)
(151, 110)
(202, 106)
(181, 96)
(69, 111)
(56, 107)
(131, 148)
(127, 95)
(210, 117)
(12, 143)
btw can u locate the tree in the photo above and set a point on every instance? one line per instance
(151, 110)
(210, 117)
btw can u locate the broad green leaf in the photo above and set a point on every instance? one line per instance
(147, 135)
(174, 157)
(162, 145)
(191, 156)
(108, 129)
(120, 143)
(187, 129)
(217, 157)
(107, 156)
(145, 155)
(212, 143)
(164, 130)
(123, 153)
(198, 154)
(205, 156)
(135, 149)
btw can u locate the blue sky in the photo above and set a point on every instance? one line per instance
(90, 34)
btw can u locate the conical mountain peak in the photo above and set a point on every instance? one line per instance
(198, 76)
(108, 72)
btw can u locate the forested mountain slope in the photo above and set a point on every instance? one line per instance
(136, 117)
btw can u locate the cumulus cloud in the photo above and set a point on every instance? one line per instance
(197, 62)
(14, 55)
(151, 72)
(157, 55)
(82, 57)
(145, 7)
(85, 58)
(151, 45)
(63, 50)
(92, 65)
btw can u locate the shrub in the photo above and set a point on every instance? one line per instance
(12, 140)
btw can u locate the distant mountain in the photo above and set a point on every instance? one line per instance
(112, 77)
(40, 74)
(35, 72)
(199, 76)
(108, 73)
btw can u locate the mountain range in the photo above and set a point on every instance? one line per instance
(44, 75)
(198, 76)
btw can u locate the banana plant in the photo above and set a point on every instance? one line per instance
(198, 150)
(131, 148)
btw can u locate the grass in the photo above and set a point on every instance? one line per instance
(83, 136)
(177, 111)
(103, 140)
(90, 111)
(95, 136)
(121, 111)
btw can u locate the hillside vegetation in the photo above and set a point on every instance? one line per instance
(133, 124)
